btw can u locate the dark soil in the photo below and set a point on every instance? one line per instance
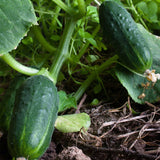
(115, 132)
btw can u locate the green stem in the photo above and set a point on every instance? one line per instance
(18, 66)
(66, 8)
(82, 8)
(85, 47)
(62, 51)
(54, 20)
(42, 40)
(93, 75)
(137, 14)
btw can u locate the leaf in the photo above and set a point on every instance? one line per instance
(88, 37)
(132, 82)
(149, 10)
(143, 7)
(72, 122)
(66, 101)
(17, 16)
(93, 13)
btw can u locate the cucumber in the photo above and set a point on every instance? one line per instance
(7, 104)
(33, 118)
(120, 29)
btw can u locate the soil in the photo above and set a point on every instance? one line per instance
(116, 132)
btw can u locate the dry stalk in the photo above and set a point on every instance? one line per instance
(97, 140)
(97, 110)
(127, 134)
(128, 153)
(117, 109)
(151, 105)
(141, 132)
(81, 103)
(121, 121)
(129, 105)
(1, 134)
(146, 128)
(153, 151)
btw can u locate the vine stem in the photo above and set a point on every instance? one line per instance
(66, 8)
(84, 48)
(62, 52)
(42, 40)
(18, 66)
(82, 8)
(55, 17)
(93, 76)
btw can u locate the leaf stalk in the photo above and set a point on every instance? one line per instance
(18, 66)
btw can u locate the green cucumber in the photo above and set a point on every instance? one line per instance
(7, 104)
(120, 29)
(33, 118)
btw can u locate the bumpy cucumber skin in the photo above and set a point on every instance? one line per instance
(120, 29)
(7, 105)
(33, 118)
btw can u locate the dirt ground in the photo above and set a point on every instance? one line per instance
(114, 134)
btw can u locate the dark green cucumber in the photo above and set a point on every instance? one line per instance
(33, 118)
(7, 104)
(120, 29)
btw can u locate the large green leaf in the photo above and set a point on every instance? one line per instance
(16, 17)
(133, 82)
(72, 122)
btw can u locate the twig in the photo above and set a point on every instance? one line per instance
(150, 105)
(97, 2)
(97, 110)
(1, 134)
(80, 104)
(127, 134)
(139, 136)
(158, 158)
(118, 109)
(129, 106)
(122, 121)
(98, 141)
(126, 152)
(145, 127)
(153, 151)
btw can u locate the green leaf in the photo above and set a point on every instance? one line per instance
(94, 102)
(93, 13)
(143, 7)
(92, 58)
(66, 101)
(72, 122)
(16, 18)
(149, 10)
(88, 37)
(133, 82)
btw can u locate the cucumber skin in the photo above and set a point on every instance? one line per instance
(120, 29)
(7, 105)
(33, 118)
